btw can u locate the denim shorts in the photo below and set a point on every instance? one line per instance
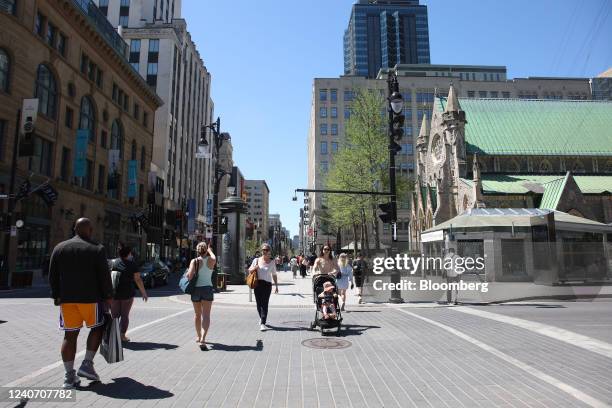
(202, 293)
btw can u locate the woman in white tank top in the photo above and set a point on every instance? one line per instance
(203, 293)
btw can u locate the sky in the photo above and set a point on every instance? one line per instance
(263, 56)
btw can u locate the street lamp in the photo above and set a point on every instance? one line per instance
(396, 101)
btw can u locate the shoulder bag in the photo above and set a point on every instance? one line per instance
(186, 285)
(251, 279)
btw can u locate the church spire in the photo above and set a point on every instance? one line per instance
(422, 139)
(452, 103)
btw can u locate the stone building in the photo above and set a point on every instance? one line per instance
(70, 58)
(257, 199)
(513, 153)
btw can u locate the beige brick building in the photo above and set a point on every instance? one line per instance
(257, 199)
(75, 64)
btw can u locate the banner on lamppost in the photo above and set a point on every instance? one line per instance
(80, 153)
(132, 178)
(191, 208)
(209, 209)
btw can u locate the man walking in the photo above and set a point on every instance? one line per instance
(452, 276)
(81, 286)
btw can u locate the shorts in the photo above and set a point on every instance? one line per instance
(72, 315)
(202, 293)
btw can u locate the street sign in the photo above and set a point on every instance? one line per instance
(209, 233)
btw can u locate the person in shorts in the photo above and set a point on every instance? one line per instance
(81, 286)
(201, 269)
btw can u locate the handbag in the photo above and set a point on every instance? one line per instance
(251, 279)
(187, 286)
(111, 347)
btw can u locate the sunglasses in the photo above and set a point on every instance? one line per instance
(265, 250)
(326, 249)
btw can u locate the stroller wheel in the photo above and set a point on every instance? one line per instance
(313, 325)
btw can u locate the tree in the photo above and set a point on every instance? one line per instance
(361, 164)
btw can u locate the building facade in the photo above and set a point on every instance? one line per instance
(162, 51)
(384, 33)
(331, 109)
(513, 153)
(257, 199)
(93, 137)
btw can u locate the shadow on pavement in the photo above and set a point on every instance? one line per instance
(361, 311)
(536, 305)
(227, 347)
(143, 345)
(127, 388)
(353, 330)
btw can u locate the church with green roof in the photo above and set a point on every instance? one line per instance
(512, 153)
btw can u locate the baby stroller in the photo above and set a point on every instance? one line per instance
(318, 281)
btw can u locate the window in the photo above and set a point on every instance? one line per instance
(322, 112)
(143, 158)
(87, 117)
(482, 94)
(347, 113)
(39, 24)
(101, 178)
(126, 103)
(46, 91)
(84, 64)
(62, 43)
(333, 95)
(115, 93)
(348, 95)
(486, 76)
(334, 147)
(40, 162)
(5, 69)
(124, 13)
(494, 94)
(116, 142)
(334, 129)
(152, 74)
(506, 95)
(145, 119)
(8, 6)
(323, 129)
(103, 6)
(471, 94)
(136, 111)
(153, 51)
(103, 137)
(322, 95)
(334, 112)
(65, 166)
(51, 35)
(123, 21)
(134, 58)
(324, 166)
(68, 118)
(323, 147)
(91, 71)
(133, 151)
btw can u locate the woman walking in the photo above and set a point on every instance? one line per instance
(346, 277)
(129, 275)
(265, 268)
(359, 272)
(201, 269)
(324, 264)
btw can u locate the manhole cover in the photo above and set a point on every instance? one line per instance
(323, 343)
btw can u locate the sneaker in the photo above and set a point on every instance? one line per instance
(71, 381)
(262, 327)
(87, 370)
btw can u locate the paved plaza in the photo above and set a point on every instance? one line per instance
(527, 354)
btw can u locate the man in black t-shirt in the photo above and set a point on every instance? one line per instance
(360, 267)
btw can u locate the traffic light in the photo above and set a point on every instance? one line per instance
(388, 215)
(222, 225)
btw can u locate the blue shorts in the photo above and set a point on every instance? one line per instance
(203, 293)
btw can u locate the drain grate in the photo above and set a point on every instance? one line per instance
(327, 344)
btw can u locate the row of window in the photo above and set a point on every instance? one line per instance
(50, 34)
(333, 95)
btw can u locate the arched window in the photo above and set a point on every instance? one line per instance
(134, 149)
(545, 166)
(116, 142)
(143, 157)
(46, 91)
(5, 66)
(87, 116)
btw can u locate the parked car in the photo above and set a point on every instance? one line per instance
(154, 273)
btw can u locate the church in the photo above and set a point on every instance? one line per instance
(512, 153)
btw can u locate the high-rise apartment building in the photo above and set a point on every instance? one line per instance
(257, 199)
(331, 109)
(162, 51)
(384, 33)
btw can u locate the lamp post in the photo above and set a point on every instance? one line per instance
(218, 139)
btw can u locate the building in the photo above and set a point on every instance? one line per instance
(601, 86)
(258, 206)
(162, 51)
(69, 57)
(384, 33)
(331, 108)
(513, 153)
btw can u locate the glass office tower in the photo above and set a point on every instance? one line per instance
(383, 33)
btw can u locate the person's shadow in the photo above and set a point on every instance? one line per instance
(354, 330)
(127, 388)
(142, 346)
(227, 347)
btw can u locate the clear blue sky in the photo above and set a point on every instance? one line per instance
(263, 56)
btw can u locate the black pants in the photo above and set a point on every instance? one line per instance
(263, 290)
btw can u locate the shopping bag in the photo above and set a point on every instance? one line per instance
(111, 347)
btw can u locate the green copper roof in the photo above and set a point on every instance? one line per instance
(523, 184)
(536, 127)
(552, 193)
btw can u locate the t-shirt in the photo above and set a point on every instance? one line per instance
(125, 289)
(266, 270)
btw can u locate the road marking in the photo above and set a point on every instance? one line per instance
(570, 337)
(82, 353)
(574, 392)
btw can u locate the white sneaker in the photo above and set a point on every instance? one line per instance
(262, 327)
